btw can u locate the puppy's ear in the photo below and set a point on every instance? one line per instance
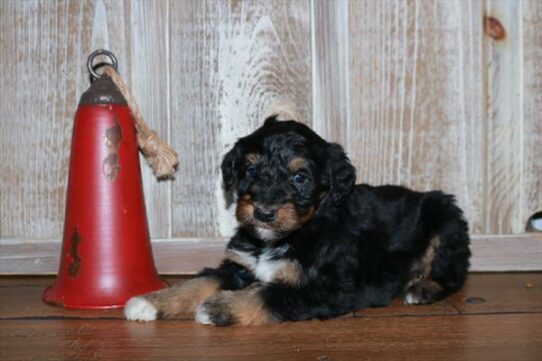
(341, 173)
(230, 165)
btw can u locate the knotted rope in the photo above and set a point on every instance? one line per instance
(162, 158)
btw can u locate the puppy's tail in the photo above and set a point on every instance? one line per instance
(284, 109)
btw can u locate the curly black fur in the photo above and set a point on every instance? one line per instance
(354, 246)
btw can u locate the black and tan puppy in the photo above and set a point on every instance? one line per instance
(312, 244)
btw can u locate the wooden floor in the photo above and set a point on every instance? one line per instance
(496, 317)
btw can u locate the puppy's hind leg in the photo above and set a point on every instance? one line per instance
(421, 289)
(443, 268)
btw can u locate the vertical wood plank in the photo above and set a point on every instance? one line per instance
(230, 61)
(46, 70)
(416, 96)
(149, 33)
(35, 125)
(532, 110)
(504, 123)
(330, 69)
(194, 90)
(44, 67)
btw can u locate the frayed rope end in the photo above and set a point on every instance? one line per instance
(162, 158)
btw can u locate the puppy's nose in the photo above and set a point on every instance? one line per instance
(264, 215)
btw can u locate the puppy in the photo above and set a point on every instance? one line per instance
(312, 244)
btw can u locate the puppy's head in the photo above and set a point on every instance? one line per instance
(283, 174)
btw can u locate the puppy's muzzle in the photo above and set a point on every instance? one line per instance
(265, 215)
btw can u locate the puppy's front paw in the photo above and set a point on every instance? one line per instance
(240, 307)
(139, 309)
(215, 311)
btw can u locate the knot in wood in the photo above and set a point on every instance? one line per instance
(494, 28)
(475, 300)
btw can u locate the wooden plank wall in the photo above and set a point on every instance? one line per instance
(429, 94)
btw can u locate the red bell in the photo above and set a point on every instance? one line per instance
(106, 251)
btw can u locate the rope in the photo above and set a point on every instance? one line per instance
(162, 158)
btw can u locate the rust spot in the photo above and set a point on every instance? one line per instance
(113, 136)
(493, 28)
(75, 265)
(110, 165)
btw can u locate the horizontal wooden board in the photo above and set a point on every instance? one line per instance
(172, 256)
(484, 337)
(495, 317)
(494, 293)
(189, 255)
(20, 297)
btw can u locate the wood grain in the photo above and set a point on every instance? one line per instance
(172, 256)
(419, 92)
(531, 189)
(38, 98)
(496, 293)
(505, 325)
(416, 97)
(49, 43)
(22, 299)
(190, 255)
(231, 61)
(504, 128)
(150, 83)
(483, 293)
(486, 337)
(506, 253)
(330, 87)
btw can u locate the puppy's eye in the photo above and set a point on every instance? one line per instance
(251, 170)
(299, 178)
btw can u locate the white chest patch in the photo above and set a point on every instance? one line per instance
(266, 269)
(266, 234)
(268, 266)
(243, 258)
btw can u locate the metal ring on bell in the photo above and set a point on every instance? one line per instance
(91, 57)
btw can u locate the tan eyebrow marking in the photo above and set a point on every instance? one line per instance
(297, 163)
(252, 158)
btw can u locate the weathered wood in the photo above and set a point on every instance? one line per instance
(531, 185)
(231, 61)
(483, 293)
(42, 57)
(495, 293)
(495, 317)
(424, 93)
(190, 255)
(504, 122)
(150, 83)
(22, 299)
(485, 337)
(416, 97)
(507, 253)
(172, 256)
(330, 70)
